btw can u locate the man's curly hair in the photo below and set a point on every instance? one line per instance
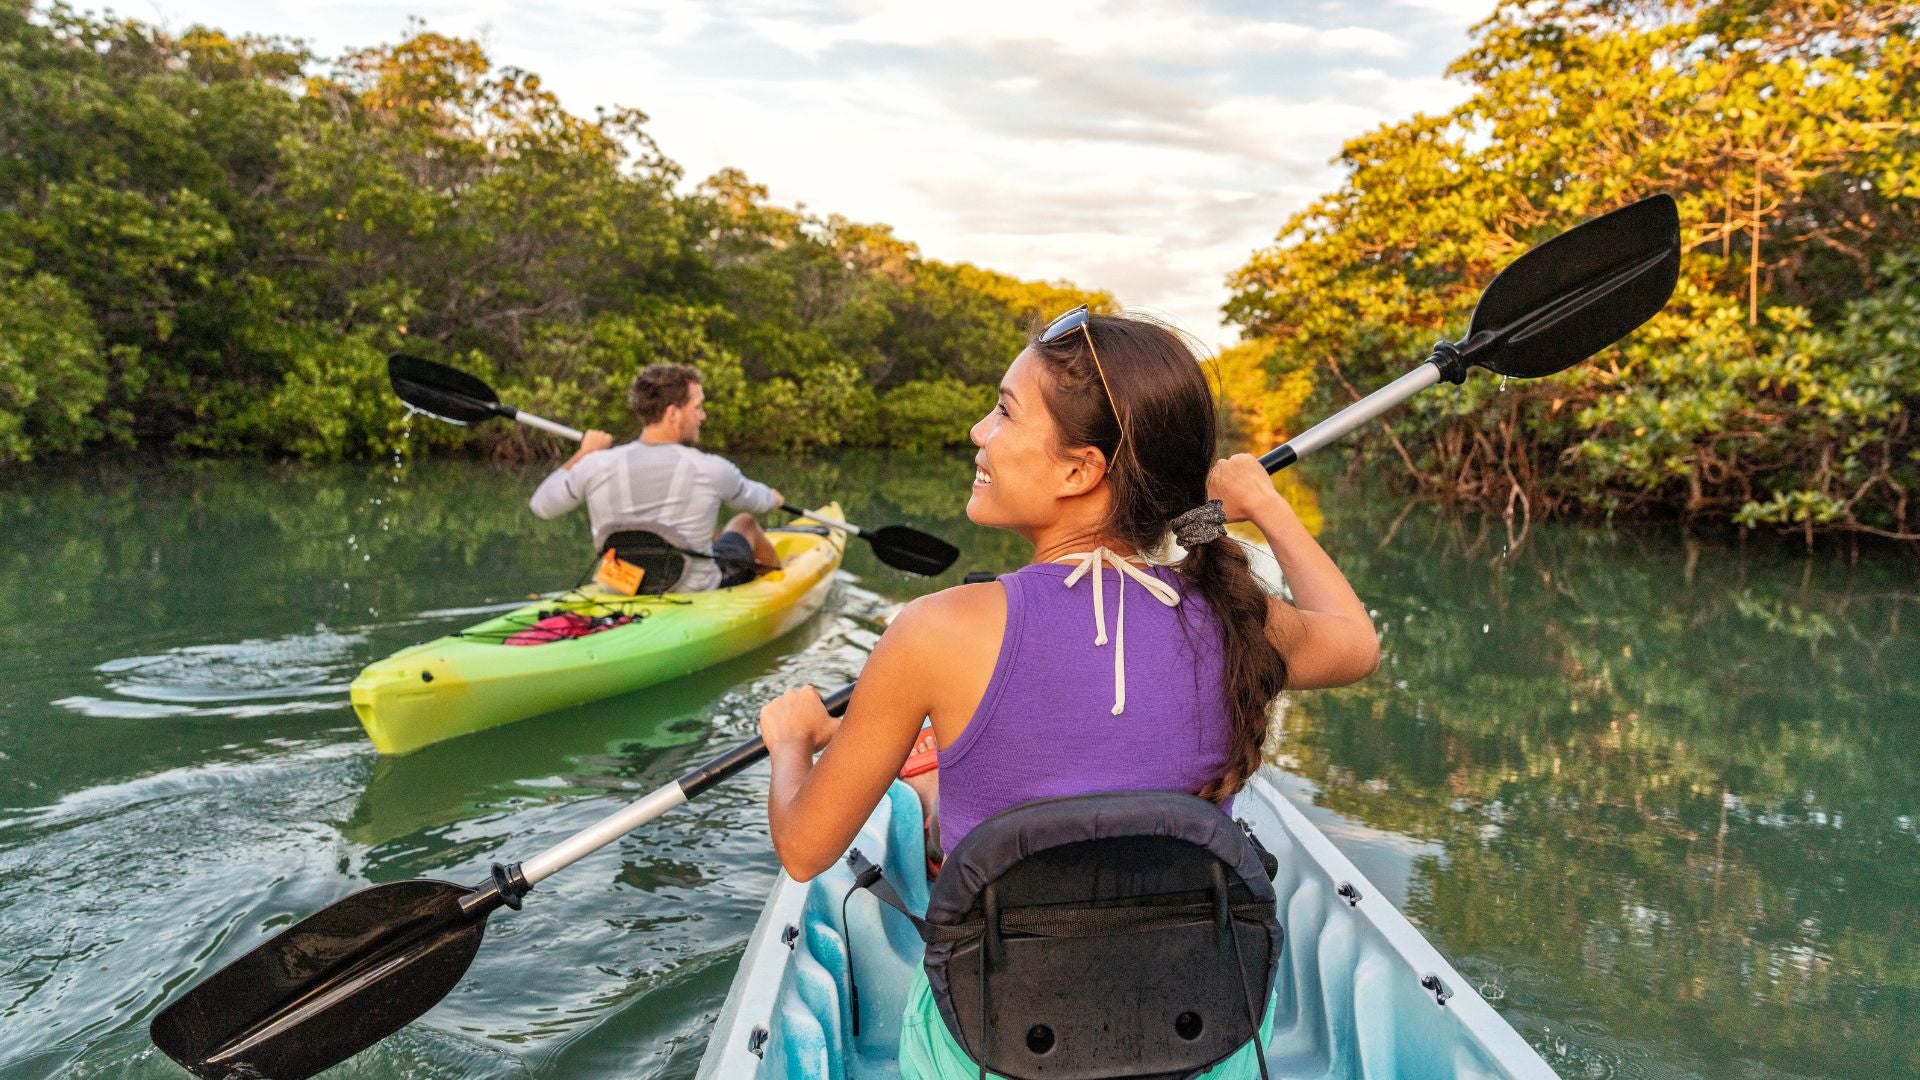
(659, 386)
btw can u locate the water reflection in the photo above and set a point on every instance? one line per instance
(1670, 785)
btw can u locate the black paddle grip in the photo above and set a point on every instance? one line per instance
(1278, 458)
(1451, 360)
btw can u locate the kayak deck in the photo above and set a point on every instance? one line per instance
(1353, 999)
(472, 680)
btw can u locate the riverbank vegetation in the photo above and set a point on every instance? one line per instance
(1780, 386)
(212, 243)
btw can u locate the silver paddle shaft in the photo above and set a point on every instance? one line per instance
(549, 426)
(845, 527)
(1353, 416)
(606, 831)
(664, 798)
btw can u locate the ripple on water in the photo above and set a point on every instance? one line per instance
(142, 887)
(145, 885)
(1582, 1050)
(1577, 1046)
(413, 1053)
(257, 677)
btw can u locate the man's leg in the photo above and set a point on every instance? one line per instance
(748, 528)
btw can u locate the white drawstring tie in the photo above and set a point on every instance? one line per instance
(1165, 593)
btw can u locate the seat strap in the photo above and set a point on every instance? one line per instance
(1231, 943)
(1048, 922)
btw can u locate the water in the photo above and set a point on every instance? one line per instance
(1655, 797)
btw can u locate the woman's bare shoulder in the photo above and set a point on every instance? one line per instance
(945, 645)
(952, 613)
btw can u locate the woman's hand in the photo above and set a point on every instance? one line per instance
(798, 718)
(1242, 486)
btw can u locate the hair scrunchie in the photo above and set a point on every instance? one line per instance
(1201, 525)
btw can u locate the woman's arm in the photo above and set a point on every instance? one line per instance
(1326, 635)
(814, 808)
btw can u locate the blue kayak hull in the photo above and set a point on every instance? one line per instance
(1358, 994)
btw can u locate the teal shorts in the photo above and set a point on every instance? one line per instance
(928, 1050)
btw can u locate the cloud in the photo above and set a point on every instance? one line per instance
(1147, 147)
(1104, 30)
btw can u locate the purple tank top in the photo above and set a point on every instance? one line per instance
(1045, 726)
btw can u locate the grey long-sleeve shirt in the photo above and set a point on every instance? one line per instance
(665, 484)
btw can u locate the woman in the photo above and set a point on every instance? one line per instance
(1049, 682)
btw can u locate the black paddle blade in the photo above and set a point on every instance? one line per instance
(441, 391)
(1579, 292)
(330, 985)
(911, 550)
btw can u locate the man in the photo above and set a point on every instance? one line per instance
(661, 483)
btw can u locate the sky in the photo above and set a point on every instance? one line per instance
(1144, 147)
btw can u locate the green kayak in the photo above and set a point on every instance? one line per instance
(474, 680)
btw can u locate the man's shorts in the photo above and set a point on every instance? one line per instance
(733, 555)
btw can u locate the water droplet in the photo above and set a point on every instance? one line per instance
(1503, 384)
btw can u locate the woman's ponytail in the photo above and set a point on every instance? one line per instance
(1255, 671)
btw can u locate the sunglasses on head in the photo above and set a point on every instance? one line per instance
(1066, 324)
(1079, 319)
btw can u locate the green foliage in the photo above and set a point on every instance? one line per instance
(915, 416)
(1778, 389)
(212, 243)
(52, 370)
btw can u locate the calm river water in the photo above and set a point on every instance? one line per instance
(1656, 797)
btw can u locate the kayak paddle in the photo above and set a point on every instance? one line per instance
(1551, 308)
(459, 398)
(365, 966)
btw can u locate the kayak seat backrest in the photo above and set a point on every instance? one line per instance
(1126, 934)
(665, 564)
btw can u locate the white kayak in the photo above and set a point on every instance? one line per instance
(1361, 992)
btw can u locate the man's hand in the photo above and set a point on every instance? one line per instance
(592, 441)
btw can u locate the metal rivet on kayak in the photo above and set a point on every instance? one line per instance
(757, 1042)
(790, 935)
(426, 676)
(1188, 1026)
(1352, 894)
(1437, 988)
